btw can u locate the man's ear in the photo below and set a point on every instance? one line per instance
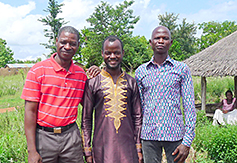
(102, 54)
(171, 42)
(150, 41)
(56, 40)
(123, 52)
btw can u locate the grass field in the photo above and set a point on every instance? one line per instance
(12, 139)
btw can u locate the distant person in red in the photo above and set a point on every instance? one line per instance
(52, 92)
(226, 112)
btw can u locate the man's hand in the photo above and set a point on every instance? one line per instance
(34, 157)
(140, 157)
(93, 71)
(89, 159)
(182, 152)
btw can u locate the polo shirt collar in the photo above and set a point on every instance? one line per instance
(57, 67)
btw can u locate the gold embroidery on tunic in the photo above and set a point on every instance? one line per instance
(115, 98)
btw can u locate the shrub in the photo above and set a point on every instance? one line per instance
(220, 142)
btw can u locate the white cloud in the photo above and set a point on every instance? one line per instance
(76, 12)
(21, 30)
(218, 12)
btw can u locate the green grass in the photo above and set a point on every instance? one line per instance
(12, 138)
(10, 91)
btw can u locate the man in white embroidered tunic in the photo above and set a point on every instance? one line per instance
(115, 97)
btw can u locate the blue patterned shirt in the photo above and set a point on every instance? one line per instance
(161, 88)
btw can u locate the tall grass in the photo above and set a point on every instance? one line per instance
(216, 88)
(10, 91)
(12, 138)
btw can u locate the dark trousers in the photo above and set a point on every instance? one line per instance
(65, 147)
(152, 150)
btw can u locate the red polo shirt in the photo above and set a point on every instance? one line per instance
(58, 92)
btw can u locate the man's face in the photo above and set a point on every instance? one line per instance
(161, 40)
(67, 45)
(112, 54)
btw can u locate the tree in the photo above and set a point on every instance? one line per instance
(108, 20)
(54, 23)
(137, 51)
(183, 35)
(214, 31)
(6, 54)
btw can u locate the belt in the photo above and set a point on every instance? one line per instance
(57, 130)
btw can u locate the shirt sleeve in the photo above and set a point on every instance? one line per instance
(87, 115)
(137, 116)
(140, 87)
(188, 100)
(32, 87)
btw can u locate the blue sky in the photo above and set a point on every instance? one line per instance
(23, 33)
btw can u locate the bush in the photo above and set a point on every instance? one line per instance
(220, 142)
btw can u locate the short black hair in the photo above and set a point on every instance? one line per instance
(69, 29)
(228, 91)
(112, 38)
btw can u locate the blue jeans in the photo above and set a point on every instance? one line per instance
(152, 150)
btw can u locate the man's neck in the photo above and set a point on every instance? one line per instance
(115, 73)
(62, 63)
(160, 58)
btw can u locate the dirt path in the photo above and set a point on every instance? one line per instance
(7, 109)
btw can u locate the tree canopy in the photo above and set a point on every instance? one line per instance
(108, 20)
(54, 23)
(6, 54)
(214, 31)
(183, 35)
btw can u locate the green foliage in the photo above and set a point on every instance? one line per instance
(137, 51)
(119, 20)
(6, 54)
(10, 85)
(202, 119)
(183, 35)
(220, 142)
(27, 61)
(12, 139)
(54, 23)
(214, 31)
(10, 91)
(216, 88)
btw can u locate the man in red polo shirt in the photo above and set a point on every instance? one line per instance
(52, 93)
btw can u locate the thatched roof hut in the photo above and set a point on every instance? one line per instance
(219, 59)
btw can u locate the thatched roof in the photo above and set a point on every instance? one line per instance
(219, 59)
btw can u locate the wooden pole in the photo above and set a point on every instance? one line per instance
(204, 86)
(235, 91)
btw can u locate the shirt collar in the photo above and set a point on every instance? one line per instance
(57, 67)
(106, 74)
(167, 60)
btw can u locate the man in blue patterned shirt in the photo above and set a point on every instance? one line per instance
(162, 82)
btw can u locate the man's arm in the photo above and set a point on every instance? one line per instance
(187, 93)
(31, 109)
(86, 125)
(137, 119)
